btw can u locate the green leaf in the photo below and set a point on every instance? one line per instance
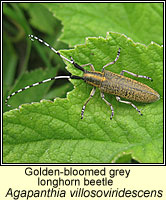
(38, 13)
(10, 64)
(52, 132)
(17, 26)
(143, 22)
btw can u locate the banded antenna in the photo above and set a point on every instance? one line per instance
(32, 37)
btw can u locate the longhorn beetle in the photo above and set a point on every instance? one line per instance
(106, 81)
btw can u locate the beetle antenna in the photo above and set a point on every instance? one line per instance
(32, 37)
(38, 83)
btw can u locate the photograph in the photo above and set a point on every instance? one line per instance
(82, 83)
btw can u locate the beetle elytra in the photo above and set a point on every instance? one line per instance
(106, 81)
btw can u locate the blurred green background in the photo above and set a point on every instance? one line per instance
(26, 62)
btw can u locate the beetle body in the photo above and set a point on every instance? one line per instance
(121, 86)
(106, 81)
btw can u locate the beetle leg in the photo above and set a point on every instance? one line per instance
(136, 75)
(91, 66)
(128, 102)
(118, 54)
(84, 106)
(102, 96)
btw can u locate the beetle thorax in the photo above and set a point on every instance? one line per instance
(93, 78)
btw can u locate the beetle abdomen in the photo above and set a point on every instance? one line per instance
(127, 88)
(121, 86)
